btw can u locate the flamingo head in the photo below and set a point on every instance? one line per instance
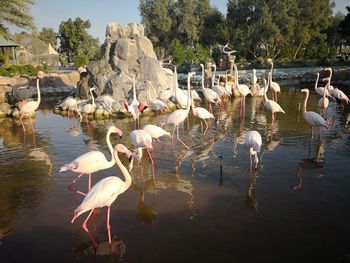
(202, 66)
(305, 90)
(122, 149)
(269, 61)
(114, 129)
(40, 74)
(142, 107)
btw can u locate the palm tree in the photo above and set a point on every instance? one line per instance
(17, 13)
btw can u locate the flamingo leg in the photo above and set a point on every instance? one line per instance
(87, 230)
(20, 119)
(108, 225)
(70, 186)
(172, 138)
(178, 137)
(251, 164)
(206, 125)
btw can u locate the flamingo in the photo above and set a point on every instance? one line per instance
(69, 103)
(179, 116)
(201, 113)
(210, 95)
(136, 107)
(31, 106)
(154, 104)
(242, 89)
(324, 101)
(271, 105)
(89, 108)
(156, 132)
(141, 139)
(220, 90)
(91, 162)
(311, 117)
(253, 140)
(104, 193)
(275, 87)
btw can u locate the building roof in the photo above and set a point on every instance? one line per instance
(4, 42)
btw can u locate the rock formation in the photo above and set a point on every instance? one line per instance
(126, 53)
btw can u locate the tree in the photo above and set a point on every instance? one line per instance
(17, 13)
(187, 28)
(75, 40)
(158, 18)
(214, 30)
(48, 35)
(344, 27)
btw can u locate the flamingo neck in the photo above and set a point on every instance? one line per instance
(236, 74)
(326, 89)
(189, 92)
(134, 90)
(213, 77)
(316, 83)
(305, 101)
(38, 90)
(124, 171)
(110, 147)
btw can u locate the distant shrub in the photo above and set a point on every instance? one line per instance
(11, 70)
(80, 60)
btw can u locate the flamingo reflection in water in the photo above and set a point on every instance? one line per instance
(313, 163)
(104, 193)
(250, 199)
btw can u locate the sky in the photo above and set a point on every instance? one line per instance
(50, 13)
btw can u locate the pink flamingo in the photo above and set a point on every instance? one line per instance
(31, 106)
(180, 115)
(104, 193)
(141, 139)
(135, 107)
(91, 162)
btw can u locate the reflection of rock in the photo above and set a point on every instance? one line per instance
(103, 249)
(126, 53)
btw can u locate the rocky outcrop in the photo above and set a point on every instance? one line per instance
(127, 53)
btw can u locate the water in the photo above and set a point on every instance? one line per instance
(204, 206)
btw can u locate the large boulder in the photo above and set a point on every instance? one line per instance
(126, 54)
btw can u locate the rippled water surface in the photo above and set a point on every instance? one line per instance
(204, 205)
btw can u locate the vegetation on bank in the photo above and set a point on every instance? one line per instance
(294, 33)
(11, 70)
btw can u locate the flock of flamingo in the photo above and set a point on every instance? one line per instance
(105, 192)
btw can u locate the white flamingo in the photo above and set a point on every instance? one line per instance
(275, 87)
(180, 115)
(156, 132)
(141, 139)
(210, 95)
(203, 114)
(311, 117)
(324, 101)
(69, 103)
(31, 106)
(271, 105)
(91, 162)
(253, 140)
(104, 193)
(154, 104)
(89, 108)
(220, 90)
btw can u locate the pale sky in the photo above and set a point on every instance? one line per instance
(50, 13)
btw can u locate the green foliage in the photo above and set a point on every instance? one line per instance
(16, 13)
(48, 35)
(344, 27)
(80, 60)
(3, 59)
(75, 39)
(177, 51)
(11, 70)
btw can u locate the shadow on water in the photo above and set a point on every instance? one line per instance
(203, 206)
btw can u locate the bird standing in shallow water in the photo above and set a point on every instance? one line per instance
(311, 117)
(253, 140)
(104, 193)
(91, 162)
(31, 106)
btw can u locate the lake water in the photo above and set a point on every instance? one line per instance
(204, 205)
